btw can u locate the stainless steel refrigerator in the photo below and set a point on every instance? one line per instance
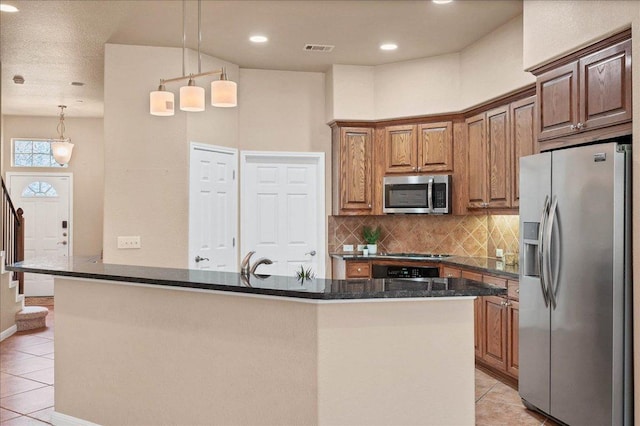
(575, 284)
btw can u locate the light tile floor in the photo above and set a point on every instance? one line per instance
(26, 376)
(27, 385)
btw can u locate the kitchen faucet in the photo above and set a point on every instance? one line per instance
(246, 269)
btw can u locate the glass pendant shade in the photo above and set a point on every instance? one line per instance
(62, 151)
(161, 103)
(191, 98)
(224, 93)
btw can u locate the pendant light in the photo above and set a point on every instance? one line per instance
(62, 148)
(191, 97)
(224, 92)
(161, 102)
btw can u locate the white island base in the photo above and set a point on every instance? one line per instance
(130, 354)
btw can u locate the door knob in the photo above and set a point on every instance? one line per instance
(200, 259)
(312, 253)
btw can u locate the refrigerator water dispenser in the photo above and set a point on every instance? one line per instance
(531, 264)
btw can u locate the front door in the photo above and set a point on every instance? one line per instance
(46, 202)
(213, 211)
(283, 217)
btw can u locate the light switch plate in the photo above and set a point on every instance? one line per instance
(499, 252)
(347, 247)
(132, 242)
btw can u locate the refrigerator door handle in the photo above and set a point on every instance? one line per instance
(541, 257)
(549, 231)
(430, 195)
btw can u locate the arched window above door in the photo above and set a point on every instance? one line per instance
(39, 189)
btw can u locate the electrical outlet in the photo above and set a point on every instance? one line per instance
(129, 242)
(347, 247)
(499, 252)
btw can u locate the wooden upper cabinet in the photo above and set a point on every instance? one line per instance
(522, 140)
(590, 92)
(498, 149)
(435, 147)
(558, 101)
(476, 161)
(352, 170)
(605, 87)
(400, 149)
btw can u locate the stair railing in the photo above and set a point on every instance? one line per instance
(12, 225)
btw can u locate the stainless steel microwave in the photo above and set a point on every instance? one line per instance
(417, 194)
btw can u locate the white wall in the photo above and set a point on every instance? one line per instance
(424, 86)
(555, 28)
(352, 92)
(87, 166)
(492, 66)
(284, 111)
(146, 157)
(484, 70)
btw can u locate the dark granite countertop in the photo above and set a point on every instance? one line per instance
(480, 264)
(319, 289)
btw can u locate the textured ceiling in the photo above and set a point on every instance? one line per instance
(51, 43)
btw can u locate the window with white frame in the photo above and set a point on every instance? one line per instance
(33, 153)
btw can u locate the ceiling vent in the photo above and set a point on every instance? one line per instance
(18, 79)
(318, 47)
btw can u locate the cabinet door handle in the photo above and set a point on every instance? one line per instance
(518, 290)
(580, 126)
(359, 269)
(369, 205)
(419, 168)
(573, 127)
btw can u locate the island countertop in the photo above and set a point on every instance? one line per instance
(291, 287)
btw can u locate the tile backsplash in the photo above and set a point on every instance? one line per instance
(458, 235)
(503, 233)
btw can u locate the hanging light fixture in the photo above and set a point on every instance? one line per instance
(161, 102)
(61, 147)
(224, 93)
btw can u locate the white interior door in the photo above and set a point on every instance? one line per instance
(283, 211)
(213, 208)
(46, 202)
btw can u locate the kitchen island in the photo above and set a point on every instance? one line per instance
(140, 345)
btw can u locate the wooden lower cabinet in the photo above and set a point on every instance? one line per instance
(494, 332)
(496, 323)
(358, 270)
(478, 326)
(513, 321)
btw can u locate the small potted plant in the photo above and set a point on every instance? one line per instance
(371, 236)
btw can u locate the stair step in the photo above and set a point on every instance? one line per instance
(31, 317)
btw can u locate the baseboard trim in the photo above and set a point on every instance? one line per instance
(8, 332)
(59, 419)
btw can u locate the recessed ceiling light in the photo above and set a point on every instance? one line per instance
(388, 46)
(18, 79)
(7, 8)
(258, 39)
(442, 1)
